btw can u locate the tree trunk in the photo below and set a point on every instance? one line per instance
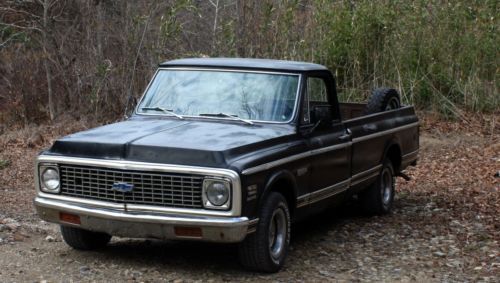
(46, 5)
(241, 28)
(214, 31)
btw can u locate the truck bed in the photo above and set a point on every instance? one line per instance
(351, 110)
(373, 131)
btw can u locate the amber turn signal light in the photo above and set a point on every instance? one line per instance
(69, 218)
(188, 231)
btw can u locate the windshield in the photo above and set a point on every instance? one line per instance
(246, 95)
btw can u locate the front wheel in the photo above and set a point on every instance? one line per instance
(265, 250)
(379, 197)
(83, 239)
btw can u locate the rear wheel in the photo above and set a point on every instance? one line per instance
(266, 249)
(83, 239)
(379, 197)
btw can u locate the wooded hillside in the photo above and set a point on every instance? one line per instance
(94, 57)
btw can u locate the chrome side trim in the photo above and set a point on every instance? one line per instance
(330, 148)
(373, 175)
(366, 172)
(323, 193)
(365, 175)
(279, 162)
(390, 131)
(275, 163)
(252, 225)
(410, 156)
(302, 200)
(340, 187)
(378, 113)
(296, 106)
(292, 158)
(144, 166)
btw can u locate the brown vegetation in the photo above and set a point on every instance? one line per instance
(83, 63)
(93, 58)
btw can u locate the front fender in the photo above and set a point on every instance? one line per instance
(282, 181)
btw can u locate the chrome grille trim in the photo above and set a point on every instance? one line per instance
(232, 175)
(150, 188)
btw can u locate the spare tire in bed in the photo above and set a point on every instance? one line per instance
(382, 99)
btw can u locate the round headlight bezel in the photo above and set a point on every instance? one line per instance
(50, 180)
(210, 187)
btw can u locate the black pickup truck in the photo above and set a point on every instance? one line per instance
(227, 150)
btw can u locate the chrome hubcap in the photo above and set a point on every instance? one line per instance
(277, 233)
(387, 185)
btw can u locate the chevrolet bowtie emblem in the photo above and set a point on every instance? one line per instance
(123, 187)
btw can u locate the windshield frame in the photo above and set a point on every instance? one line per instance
(292, 118)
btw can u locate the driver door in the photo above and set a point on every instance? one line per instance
(329, 144)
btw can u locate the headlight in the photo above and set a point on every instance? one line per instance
(216, 193)
(50, 179)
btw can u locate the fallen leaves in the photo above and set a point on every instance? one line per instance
(445, 225)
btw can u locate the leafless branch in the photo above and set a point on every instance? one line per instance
(8, 39)
(8, 9)
(154, 4)
(21, 27)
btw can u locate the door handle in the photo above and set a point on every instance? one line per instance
(346, 136)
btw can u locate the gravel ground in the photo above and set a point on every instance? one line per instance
(445, 227)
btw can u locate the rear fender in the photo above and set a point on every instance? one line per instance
(393, 145)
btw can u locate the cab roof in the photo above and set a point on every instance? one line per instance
(245, 63)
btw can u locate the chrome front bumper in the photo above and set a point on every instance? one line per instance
(145, 224)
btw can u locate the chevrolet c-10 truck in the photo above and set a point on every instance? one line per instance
(227, 150)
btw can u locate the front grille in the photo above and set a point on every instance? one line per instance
(150, 188)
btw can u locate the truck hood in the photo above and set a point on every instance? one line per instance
(211, 143)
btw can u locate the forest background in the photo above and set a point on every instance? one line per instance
(93, 58)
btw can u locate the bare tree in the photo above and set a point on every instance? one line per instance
(153, 7)
(47, 4)
(241, 20)
(93, 56)
(214, 30)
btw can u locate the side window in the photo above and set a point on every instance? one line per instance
(317, 94)
(316, 88)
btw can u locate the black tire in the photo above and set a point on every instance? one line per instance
(379, 197)
(83, 239)
(258, 252)
(382, 99)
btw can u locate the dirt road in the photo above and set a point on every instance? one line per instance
(445, 227)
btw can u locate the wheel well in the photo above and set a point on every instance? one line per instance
(394, 155)
(285, 187)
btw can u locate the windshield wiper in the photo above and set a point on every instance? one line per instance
(225, 115)
(166, 111)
